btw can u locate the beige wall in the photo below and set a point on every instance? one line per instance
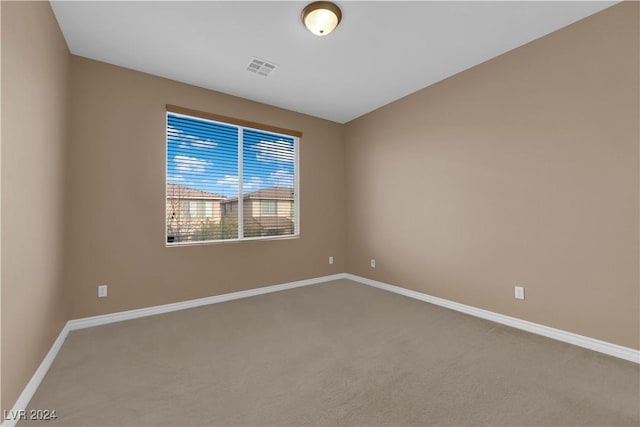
(116, 177)
(251, 207)
(217, 213)
(34, 104)
(285, 207)
(522, 170)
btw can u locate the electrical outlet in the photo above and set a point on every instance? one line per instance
(519, 292)
(102, 291)
(330, 260)
(373, 263)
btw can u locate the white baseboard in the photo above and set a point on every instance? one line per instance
(615, 350)
(87, 322)
(12, 418)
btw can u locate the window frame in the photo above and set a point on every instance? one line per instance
(241, 125)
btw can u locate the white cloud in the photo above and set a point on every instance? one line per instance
(228, 180)
(175, 178)
(190, 164)
(177, 134)
(282, 178)
(254, 183)
(204, 144)
(200, 143)
(173, 133)
(274, 151)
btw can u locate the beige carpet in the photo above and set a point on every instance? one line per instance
(339, 353)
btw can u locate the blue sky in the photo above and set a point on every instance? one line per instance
(202, 154)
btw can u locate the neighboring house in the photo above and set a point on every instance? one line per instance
(191, 214)
(267, 212)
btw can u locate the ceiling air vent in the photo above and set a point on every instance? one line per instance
(260, 66)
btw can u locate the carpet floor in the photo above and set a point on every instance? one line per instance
(338, 353)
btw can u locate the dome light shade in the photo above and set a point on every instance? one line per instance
(321, 17)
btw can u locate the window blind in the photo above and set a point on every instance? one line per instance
(228, 182)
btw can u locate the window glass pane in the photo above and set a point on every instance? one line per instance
(202, 170)
(268, 179)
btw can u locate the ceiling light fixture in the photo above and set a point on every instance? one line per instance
(321, 17)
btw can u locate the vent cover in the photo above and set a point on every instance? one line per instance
(260, 66)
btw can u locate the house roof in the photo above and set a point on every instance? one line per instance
(175, 191)
(271, 193)
(281, 193)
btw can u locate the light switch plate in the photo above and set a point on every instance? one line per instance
(102, 291)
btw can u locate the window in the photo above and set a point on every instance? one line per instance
(224, 175)
(194, 209)
(267, 207)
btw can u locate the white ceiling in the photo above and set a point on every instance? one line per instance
(381, 51)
